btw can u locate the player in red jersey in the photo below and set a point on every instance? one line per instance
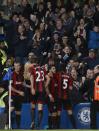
(65, 83)
(38, 92)
(17, 91)
(30, 63)
(51, 90)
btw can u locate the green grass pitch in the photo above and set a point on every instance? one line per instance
(54, 130)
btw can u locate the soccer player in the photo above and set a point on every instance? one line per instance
(37, 78)
(17, 91)
(27, 84)
(64, 88)
(51, 90)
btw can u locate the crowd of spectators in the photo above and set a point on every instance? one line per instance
(62, 31)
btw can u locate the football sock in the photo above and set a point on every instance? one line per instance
(72, 121)
(18, 117)
(58, 122)
(50, 121)
(40, 115)
(54, 119)
(33, 118)
(12, 118)
(33, 115)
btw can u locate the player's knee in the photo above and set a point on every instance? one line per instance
(18, 112)
(69, 112)
(32, 106)
(59, 113)
(54, 114)
(40, 107)
(12, 109)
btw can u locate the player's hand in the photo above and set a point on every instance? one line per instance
(33, 92)
(21, 93)
(51, 98)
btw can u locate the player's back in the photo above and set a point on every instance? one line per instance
(64, 83)
(39, 77)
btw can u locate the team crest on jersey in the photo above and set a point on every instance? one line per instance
(84, 115)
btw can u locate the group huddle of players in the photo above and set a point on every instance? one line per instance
(45, 86)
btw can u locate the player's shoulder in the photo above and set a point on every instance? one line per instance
(64, 74)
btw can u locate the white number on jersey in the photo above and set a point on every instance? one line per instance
(65, 83)
(40, 76)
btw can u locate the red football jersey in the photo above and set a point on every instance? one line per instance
(39, 77)
(53, 86)
(64, 84)
(15, 79)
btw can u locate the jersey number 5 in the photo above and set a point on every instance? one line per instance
(65, 83)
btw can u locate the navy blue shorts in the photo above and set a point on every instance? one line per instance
(17, 102)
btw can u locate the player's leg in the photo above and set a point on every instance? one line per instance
(54, 114)
(33, 105)
(18, 118)
(40, 103)
(18, 106)
(49, 114)
(12, 117)
(72, 119)
(50, 121)
(40, 114)
(59, 109)
(58, 119)
(54, 120)
(70, 112)
(93, 112)
(32, 116)
(12, 112)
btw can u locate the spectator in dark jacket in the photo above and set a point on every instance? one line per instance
(92, 59)
(25, 8)
(21, 44)
(96, 15)
(87, 86)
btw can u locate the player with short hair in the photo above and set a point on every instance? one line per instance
(30, 63)
(17, 91)
(51, 91)
(64, 99)
(37, 77)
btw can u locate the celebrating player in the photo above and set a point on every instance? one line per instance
(37, 78)
(51, 90)
(17, 91)
(64, 88)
